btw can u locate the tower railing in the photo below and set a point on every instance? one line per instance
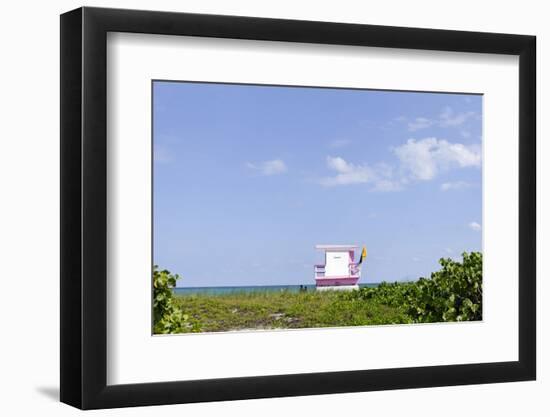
(353, 270)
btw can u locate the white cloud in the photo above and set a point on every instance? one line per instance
(456, 185)
(458, 153)
(347, 173)
(474, 226)
(420, 123)
(417, 157)
(268, 168)
(339, 143)
(417, 160)
(379, 175)
(423, 159)
(447, 118)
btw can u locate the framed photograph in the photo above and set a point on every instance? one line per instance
(258, 208)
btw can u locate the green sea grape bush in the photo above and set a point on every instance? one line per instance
(454, 293)
(168, 316)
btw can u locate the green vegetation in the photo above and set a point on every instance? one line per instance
(168, 316)
(285, 310)
(453, 293)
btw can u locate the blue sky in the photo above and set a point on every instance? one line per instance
(247, 179)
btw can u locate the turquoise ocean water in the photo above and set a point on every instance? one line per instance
(247, 289)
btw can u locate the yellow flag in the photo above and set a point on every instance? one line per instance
(363, 255)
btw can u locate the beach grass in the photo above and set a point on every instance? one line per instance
(283, 310)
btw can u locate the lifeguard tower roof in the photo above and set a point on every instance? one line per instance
(336, 247)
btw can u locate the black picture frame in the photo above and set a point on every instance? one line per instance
(84, 207)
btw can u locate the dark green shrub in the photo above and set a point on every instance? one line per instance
(168, 316)
(453, 293)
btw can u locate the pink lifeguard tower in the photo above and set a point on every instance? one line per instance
(340, 270)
